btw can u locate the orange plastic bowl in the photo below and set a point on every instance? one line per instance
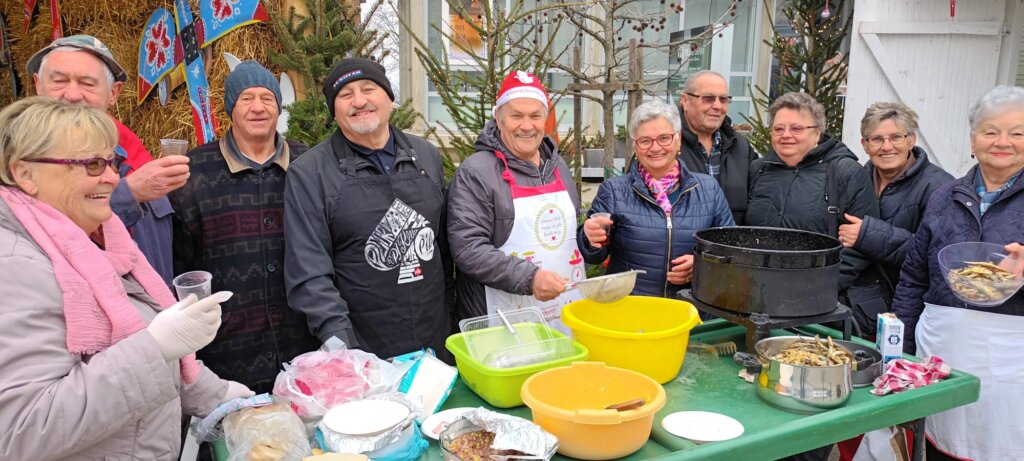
(570, 403)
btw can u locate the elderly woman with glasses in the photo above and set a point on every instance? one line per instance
(654, 209)
(985, 205)
(903, 179)
(809, 180)
(91, 364)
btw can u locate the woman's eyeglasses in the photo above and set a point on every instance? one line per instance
(93, 166)
(896, 139)
(796, 130)
(664, 140)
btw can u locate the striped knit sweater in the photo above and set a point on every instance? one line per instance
(228, 221)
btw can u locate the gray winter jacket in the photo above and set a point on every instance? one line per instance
(123, 403)
(480, 217)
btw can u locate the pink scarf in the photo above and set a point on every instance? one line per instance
(97, 310)
(661, 187)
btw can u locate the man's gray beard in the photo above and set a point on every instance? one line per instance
(366, 127)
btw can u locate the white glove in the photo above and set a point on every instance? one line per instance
(236, 390)
(188, 325)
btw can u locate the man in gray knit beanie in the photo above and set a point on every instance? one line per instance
(227, 222)
(247, 75)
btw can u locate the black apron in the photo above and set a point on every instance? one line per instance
(387, 261)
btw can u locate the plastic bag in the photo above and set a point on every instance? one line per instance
(317, 381)
(269, 433)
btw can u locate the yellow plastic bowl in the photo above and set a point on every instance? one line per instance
(570, 402)
(639, 333)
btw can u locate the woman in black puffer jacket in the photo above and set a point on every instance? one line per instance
(808, 181)
(903, 179)
(655, 208)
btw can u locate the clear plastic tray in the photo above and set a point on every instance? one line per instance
(491, 343)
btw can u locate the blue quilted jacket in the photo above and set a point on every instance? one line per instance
(953, 216)
(642, 237)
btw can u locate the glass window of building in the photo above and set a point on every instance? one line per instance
(732, 52)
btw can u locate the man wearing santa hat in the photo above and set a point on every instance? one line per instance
(512, 210)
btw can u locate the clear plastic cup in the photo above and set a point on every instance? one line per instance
(173, 147)
(607, 227)
(195, 282)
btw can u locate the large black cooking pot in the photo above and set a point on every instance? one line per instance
(780, 272)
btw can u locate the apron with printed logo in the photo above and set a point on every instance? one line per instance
(544, 233)
(983, 344)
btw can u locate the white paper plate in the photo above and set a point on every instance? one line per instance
(702, 426)
(437, 422)
(365, 417)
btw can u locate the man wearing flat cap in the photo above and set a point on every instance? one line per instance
(512, 210)
(365, 257)
(229, 222)
(80, 69)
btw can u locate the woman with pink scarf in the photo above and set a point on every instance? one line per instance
(96, 356)
(655, 208)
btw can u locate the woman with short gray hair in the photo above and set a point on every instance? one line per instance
(985, 205)
(788, 185)
(808, 180)
(654, 209)
(903, 179)
(650, 111)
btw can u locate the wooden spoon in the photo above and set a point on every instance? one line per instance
(627, 405)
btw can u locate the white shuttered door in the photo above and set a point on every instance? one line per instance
(913, 51)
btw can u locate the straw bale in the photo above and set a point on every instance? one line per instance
(119, 23)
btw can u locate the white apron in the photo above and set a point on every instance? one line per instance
(988, 346)
(544, 233)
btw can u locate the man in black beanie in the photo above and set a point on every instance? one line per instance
(228, 223)
(366, 259)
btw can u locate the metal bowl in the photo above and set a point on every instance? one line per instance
(864, 376)
(801, 389)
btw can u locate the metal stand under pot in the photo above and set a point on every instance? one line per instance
(760, 325)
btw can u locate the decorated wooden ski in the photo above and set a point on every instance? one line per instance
(56, 28)
(186, 50)
(30, 9)
(216, 18)
(165, 45)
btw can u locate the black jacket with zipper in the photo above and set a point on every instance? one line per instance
(902, 202)
(796, 197)
(736, 158)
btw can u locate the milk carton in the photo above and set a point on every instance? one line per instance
(889, 337)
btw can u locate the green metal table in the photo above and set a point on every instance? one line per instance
(770, 433)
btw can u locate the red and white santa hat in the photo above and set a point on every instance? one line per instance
(520, 84)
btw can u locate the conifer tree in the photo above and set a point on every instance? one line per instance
(810, 62)
(313, 44)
